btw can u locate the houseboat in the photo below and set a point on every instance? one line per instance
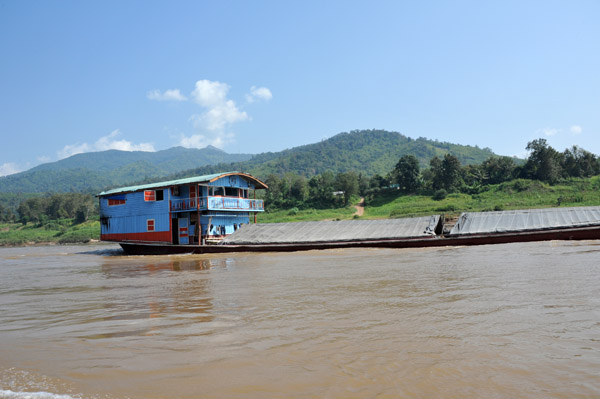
(195, 211)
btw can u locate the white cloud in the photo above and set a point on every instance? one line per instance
(548, 131)
(576, 129)
(522, 155)
(10, 168)
(108, 142)
(167, 95)
(202, 140)
(213, 125)
(44, 159)
(220, 113)
(219, 116)
(73, 149)
(259, 93)
(210, 94)
(551, 131)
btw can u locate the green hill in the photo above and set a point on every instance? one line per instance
(91, 172)
(366, 151)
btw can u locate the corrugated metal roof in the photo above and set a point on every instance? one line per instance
(525, 220)
(188, 180)
(328, 231)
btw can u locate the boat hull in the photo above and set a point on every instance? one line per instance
(586, 233)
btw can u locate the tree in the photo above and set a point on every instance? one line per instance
(474, 176)
(544, 162)
(321, 188)
(274, 197)
(407, 174)
(444, 173)
(378, 181)
(451, 173)
(435, 174)
(498, 169)
(363, 184)
(348, 183)
(6, 215)
(57, 206)
(31, 210)
(298, 189)
(577, 162)
(83, 208)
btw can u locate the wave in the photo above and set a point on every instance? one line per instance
(4, 394)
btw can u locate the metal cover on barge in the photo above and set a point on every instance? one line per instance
(525, 220)
(335, 231)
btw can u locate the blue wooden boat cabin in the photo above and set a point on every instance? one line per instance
(193, 211)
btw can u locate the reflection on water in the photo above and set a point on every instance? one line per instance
(518, 320)
(180, 296)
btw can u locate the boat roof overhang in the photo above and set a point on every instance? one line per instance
(259, 185)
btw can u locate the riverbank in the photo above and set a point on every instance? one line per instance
(52, 233)
(516, 194)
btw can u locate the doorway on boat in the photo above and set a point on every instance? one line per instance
(175, 231)
(194, 231)
(184, 231)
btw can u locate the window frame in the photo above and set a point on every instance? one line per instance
(149, 195)
(231, 189)
(115, 202)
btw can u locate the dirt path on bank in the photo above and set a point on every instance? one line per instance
(360, 207)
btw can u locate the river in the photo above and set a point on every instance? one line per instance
(501, 321)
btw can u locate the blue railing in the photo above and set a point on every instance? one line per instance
(217, 203)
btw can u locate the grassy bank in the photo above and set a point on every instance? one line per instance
(61, 231)
(516, 194)
(305, 215)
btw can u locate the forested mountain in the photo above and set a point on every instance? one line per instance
(93, 171)
(366, 151)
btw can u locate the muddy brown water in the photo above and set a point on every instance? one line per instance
(503, 321)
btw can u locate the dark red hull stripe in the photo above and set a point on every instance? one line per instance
(151, 236)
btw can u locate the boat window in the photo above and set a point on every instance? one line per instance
(154, 195)
(231, 191)
(245, 193)
(218, 191)
(149, 195)
(119, 200)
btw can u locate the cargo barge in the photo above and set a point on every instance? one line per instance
(212, 214)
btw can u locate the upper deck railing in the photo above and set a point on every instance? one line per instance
(217, 203)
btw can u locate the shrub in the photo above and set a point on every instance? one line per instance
(521, 185)
(74, 237)
(446, 208)
(440, 194)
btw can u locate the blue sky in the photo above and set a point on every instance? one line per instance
(255, 76)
